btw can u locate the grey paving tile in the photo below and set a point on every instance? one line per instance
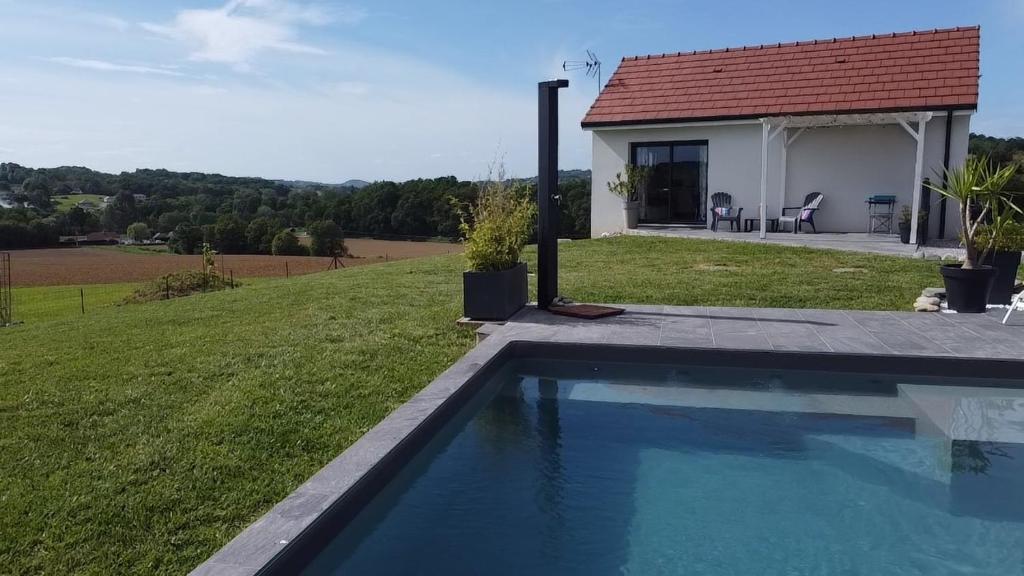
(777, 313)
(846, 342)
(877, 321)
(215, 569)
(908, 342)
(795, 341)
(670, 312)
(734, 326)
(742, 341)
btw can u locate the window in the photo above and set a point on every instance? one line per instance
(676, 188)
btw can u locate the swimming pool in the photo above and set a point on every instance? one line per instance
(720, 465)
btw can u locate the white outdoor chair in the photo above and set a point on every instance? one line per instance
(1016, 304)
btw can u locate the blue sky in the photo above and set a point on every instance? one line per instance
(400, 89)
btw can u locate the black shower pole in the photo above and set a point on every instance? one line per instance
(547, 192)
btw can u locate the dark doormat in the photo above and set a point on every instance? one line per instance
(585, 311)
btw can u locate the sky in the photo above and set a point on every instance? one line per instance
(388, 89)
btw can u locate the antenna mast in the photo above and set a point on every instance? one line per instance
(592, 65)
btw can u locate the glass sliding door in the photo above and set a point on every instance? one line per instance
(676, 187)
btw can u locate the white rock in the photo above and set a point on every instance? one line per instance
(926, 308)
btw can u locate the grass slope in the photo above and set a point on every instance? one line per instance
(66, 203)
(33, 304)
(142, 438)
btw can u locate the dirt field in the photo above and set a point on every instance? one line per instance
(102, 265)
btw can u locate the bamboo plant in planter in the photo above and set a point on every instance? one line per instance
(629, 190)
(906, 215)
(495, 230)
(979, 187)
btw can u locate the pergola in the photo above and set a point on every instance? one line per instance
(773, 127)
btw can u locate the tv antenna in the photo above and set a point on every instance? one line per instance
(592, 65)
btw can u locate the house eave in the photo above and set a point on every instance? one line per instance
(756, 118)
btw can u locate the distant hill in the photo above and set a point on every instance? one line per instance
(355, 184)
(563, 176)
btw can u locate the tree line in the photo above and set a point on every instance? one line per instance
(243, 215)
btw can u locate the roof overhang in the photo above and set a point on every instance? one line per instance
(830, 120)
(845, 118)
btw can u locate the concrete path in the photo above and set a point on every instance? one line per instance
(852, 242)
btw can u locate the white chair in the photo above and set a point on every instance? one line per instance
(1016, 304)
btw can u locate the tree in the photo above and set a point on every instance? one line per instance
(229, 235)
(186, 239)
(120, 212)
(259, 235)
(327, 239)
(139, 232)
(168, 221)
(286, 243)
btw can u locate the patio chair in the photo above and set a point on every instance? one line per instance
(722, 211)
(1017, 304)
(804, 213)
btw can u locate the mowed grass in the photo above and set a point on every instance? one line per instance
(142, 438)
(34, 304)
(66, 203)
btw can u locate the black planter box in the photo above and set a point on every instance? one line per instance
(967, 290)
(1006, 264)
(905, 232)
(494, 295)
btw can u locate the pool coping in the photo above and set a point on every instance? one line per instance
(339, 490)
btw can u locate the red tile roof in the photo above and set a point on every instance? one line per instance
(911, 71)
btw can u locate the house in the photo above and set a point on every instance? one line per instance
(849, 117)
(98, 238)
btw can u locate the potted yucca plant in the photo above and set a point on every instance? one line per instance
(629, 189)
(979, 187)
(495, 230)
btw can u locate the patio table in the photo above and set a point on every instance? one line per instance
(751, 224)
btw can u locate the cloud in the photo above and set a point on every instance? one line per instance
(107, 21)
(105, 66)
(241, 30)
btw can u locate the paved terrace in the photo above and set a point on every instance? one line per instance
(840, 331)
(852, 242)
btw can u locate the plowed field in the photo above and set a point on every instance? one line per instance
(102, 265)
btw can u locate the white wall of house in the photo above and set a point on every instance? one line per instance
(847, 164)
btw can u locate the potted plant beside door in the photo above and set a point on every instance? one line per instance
(979, 187)
(629, 190)
(495, 230)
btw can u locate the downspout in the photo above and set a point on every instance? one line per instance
(945, 167)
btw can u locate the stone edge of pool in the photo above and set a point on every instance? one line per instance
(338, 490)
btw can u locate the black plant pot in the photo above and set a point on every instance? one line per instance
(905, 232)
(494, 295)
(967, 290)
(1006, 265)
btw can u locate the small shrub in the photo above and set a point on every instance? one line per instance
(176, 285)
(286, 243)
(498, 226)
(1010, 237)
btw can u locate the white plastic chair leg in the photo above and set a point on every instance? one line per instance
(1013, 306)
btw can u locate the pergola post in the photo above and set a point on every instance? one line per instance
(763, 215)
(918, 170)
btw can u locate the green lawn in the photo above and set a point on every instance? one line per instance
(65, 203)
(140, 439)
(45, 303)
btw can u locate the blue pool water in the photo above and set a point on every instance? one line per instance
(583, 468)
